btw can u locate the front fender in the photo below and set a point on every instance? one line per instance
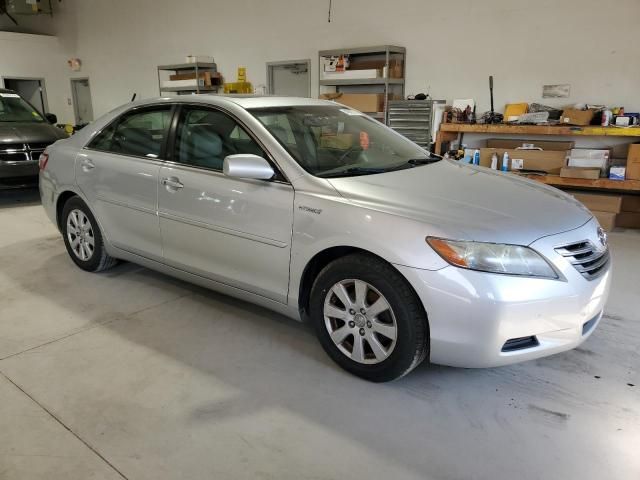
(321, 222)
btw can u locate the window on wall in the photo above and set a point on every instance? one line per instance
(206, 136)
(140, 133)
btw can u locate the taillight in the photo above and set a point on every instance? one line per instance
(42, 161)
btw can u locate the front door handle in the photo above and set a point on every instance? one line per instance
(172, 183)
(87, 165)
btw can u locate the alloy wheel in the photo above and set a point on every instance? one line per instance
(80, 235)
(360, 321)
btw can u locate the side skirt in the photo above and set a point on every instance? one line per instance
(223, 288)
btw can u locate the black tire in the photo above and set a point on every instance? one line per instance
(99, 260)
(412, 334)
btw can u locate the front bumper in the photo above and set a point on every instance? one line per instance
(473, 314)
(18, 174)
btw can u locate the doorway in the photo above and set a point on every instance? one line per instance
(31, 89)
(82, 105)
(290, 78)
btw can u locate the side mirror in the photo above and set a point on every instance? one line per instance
(51, 118)
(247, 165)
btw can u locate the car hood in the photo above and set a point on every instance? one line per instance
(25, 132)
(466, 202)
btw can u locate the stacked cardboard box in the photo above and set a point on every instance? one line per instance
(629, 216)
(633, 162)
(365, 102)
(612, 210)
(536, 155)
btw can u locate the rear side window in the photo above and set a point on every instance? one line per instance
(140, 133)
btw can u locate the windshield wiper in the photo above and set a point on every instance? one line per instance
(354, 171)
(423, 161)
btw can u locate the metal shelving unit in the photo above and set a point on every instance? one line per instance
(386, 54)
(196, 68)
(363, 81)
(413, 119)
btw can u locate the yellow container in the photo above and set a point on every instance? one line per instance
(241, 86)
(238, 87)
(513, 110)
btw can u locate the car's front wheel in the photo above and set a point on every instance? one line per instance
(368, 318)
(83, 238)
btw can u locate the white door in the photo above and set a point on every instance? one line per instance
(234, 231)
(32, 90)
(82, 105)
(289, 78)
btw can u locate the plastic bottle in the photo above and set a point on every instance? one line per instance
(505, 162)
(476, 157)
(494, 161)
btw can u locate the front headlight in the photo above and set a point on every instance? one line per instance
(493, 257)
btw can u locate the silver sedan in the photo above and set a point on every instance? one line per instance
(321, 213)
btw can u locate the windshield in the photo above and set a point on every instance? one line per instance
(15, 109)
(335, 141)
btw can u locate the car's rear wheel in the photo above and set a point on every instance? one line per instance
(83, 238)
(368, 318)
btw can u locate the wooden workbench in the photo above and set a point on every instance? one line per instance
(451, 131)
(603, 184)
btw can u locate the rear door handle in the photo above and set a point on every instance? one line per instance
(87, 165)
(172, 183)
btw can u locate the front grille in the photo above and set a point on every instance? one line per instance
(13, 152)
(37, 146)
(520, 343)
(590, 261)
(17, 152)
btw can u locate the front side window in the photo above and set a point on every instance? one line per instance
(206, 136)
(14, 109)
(138, 133)
(333, 141)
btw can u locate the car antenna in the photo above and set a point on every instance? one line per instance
(134, 97)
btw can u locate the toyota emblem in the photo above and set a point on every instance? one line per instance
(602, 236)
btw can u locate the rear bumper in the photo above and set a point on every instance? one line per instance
(48, 197)
(18, 174)
(472, 315)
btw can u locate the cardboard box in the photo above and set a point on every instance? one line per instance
(571, 116)
(365, 102)
(628, 220)
(352, 74)
(633, 162)
(198, 59)
(340, 141)
(395, 66)
(208, 77)
(183, 83)
(631, 203)
(617, 173)
(580, 172)
(607, 220)
(589, 158)
(600, 202)
(544, 145)
(548, 161)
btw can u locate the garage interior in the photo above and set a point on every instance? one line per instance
(132, 374)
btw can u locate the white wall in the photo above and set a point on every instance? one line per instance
(452, 45)
(39, 56)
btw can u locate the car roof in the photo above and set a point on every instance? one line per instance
(244, 101)
(6, 90)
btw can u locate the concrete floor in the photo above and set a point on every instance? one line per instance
(132, 374)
